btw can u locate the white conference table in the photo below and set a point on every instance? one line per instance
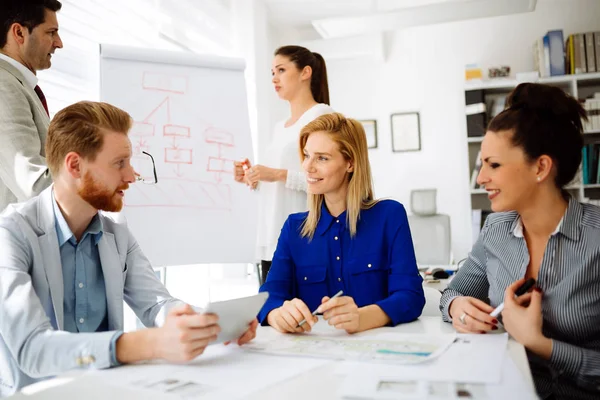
(319, 383)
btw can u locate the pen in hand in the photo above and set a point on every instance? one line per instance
(528, 284)
(338, 294)
(245, 167)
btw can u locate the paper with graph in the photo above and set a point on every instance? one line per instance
(388, 347)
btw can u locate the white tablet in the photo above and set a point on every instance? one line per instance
(235, 315)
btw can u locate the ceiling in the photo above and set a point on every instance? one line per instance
(341, 18)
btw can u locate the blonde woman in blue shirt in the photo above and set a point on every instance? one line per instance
(346, 241)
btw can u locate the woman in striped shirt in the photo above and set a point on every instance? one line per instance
(530, 152)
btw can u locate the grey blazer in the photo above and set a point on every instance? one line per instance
(32, 345)
(23, 129)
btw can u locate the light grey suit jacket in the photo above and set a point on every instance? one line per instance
(23, 129)
(32, 345)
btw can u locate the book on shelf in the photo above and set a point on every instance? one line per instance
(582, 52)
(592, 108)
(557, 52)
(590, 53)
(541, 56)
(597, 49)
(590, 164)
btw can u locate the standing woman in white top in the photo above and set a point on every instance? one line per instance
(300, 78)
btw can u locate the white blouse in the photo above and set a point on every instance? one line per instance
(279, 199)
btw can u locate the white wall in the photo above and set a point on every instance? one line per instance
(424, 72)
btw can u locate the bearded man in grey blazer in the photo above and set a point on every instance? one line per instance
(66, 267)
(28, 38)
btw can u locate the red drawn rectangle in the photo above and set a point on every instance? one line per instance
(176, 130)
(178, 156)
(142, 129)
(214, 135)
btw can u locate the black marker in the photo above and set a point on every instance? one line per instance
(520, 291)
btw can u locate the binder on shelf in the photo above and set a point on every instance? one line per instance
(476, 113)
(590, 52)
(580, 59)
(546, 42)
(570, 54)
(598, 170)
(586, 178)
(576, 58)
(557, 52)
(597, 49)
(592, 162)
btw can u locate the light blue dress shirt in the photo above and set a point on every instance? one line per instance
(84, 303)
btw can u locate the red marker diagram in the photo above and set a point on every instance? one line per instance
(192, 165)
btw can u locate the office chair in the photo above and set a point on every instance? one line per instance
(430, 231)
(432, 302)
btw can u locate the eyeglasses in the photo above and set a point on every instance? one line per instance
(147, 181)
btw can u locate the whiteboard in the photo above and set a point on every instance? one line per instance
(190, 113)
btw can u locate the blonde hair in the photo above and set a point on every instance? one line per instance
(80, 128)
(350, 137)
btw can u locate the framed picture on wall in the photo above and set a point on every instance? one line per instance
(370, 126)
(406, 132)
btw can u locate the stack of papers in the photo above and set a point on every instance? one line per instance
(475, 366)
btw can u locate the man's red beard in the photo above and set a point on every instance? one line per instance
(100, 197)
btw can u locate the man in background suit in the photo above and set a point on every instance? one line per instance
(66, 267)
(28, 38)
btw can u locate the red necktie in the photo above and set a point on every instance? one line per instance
(40, 94)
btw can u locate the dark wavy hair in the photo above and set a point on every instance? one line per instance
(303, 57)
(545, 120)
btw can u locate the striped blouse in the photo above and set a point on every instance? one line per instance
(569, 277)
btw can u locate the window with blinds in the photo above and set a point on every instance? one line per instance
(177, 25)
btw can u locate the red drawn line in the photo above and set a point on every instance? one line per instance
(185, 194)
(156, 109)
(163, 90)
(169, 111)
(209, 196)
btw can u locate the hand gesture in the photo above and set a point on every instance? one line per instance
(248, 335)
(260, 173)
(522, 316)
(471, 315)
(287, 317)
(185, 334)
(341, 312)
(238, 170)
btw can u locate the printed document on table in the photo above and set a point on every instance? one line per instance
(211, 375)
(367, 384)
(471, 358)
(398, 348)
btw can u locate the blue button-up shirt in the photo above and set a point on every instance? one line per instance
(84, 292)
(377, 266)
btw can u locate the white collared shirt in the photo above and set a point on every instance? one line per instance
(518, 231)
(30, 77)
